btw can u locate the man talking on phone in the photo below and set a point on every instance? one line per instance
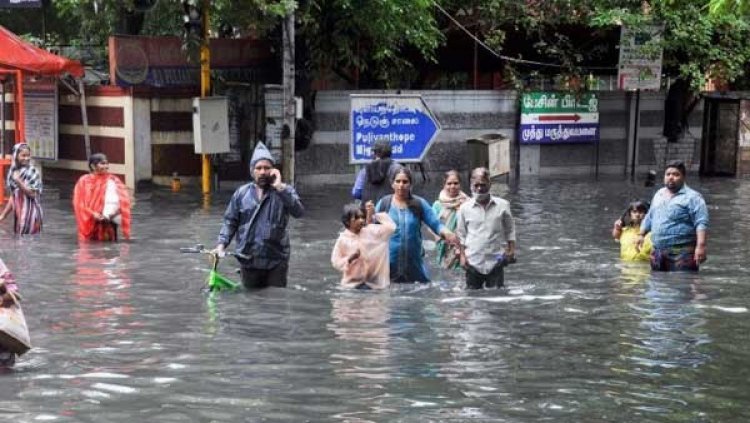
(257, 216)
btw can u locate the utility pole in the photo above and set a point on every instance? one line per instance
(287, 145)
(205, 88)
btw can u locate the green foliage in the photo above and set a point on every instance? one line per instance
(373, 39)
(342, 35)
(720, 7)
(696, 43)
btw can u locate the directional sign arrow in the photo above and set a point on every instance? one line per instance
(556, 118)
(404, 121)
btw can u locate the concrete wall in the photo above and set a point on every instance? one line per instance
(467, 114)
(142, 157)
(149, 136)
(110, 121)
(145, 136)
(172, 147)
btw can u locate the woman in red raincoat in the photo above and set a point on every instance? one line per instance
(101, 203)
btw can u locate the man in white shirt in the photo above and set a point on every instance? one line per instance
(487, 233)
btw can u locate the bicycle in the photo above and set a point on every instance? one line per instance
(215, 281)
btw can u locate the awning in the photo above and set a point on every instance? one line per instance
(18, 54)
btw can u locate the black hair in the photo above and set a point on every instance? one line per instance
(350, 211)
(95, 159)
(677, 164)
(448, 174)
(413, 202)
(382, 149)
(639, 205)
(635, 205)
(405, 171)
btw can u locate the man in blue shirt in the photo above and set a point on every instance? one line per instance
(257, 215)
(678, 222)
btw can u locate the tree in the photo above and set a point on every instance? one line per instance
(717, 7)
(376, 43)
(696, 44)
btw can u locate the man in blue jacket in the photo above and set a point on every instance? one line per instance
(678, 222)
(257, 216)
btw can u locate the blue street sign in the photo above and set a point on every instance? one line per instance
(403, 120)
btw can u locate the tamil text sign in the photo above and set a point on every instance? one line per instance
(403, 120)
(640, 58)
(559, 118)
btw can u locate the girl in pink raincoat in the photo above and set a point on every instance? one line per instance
(361, 251)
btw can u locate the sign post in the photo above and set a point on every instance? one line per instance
(639, 69)
(404, 120)
(559, 118)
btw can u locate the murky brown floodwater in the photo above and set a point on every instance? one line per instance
(123, 333)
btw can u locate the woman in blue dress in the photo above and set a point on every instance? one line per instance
(409, 212)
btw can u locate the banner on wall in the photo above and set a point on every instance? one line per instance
(559, 118)
(40, 99)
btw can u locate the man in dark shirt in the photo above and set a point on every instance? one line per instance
(257, 216)
(374, 180)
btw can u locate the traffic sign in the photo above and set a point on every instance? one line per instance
(559, 118)
(404, 120)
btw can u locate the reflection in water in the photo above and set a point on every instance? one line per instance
(662, 338)
(672, 328)
(360, 323)
(101, 291)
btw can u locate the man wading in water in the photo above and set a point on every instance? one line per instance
(257, 215)
(678, 223)
(488, 234)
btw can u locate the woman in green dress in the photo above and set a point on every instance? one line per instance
(450, 199)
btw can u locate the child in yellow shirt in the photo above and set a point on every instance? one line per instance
(626, 229)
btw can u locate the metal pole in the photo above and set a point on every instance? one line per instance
(288, 71)
(635, 132)
(2, 118)
(84, 118)
(44, 24)
(19, 112)
(516, 162)
(205, 90)
(476, 66)
(598, 143)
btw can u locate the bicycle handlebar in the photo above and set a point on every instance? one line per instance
(200, 249)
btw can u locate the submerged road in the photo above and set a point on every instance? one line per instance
(123, 333)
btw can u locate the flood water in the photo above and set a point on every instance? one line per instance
(123, 333)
